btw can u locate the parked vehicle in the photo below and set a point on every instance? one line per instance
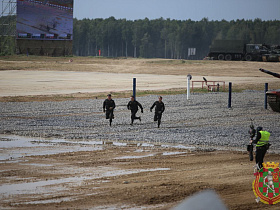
(238, 50)
(274, 54)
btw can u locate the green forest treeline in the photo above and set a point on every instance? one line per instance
(162, 38)
(165, 38)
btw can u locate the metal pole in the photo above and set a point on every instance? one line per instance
(265, 95)
(188, 88)
(229, 94)
(189, 77)
(134, 88)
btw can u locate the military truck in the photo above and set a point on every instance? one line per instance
(236, 50)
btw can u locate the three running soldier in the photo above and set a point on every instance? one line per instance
(109, 106)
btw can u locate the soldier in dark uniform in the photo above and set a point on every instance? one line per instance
(158, 110)
(108, 108)
(133, 107)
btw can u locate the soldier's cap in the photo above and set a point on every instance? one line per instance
(109, 95)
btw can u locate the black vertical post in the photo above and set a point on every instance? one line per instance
(265, 96)
(229, 94)
(134, 88)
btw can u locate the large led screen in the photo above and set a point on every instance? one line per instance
(45, 19)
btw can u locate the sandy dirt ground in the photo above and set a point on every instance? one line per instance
(53, 77)
(21, 83)
(119, 175)
(78, 175)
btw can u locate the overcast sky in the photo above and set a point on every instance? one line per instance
(178, 9)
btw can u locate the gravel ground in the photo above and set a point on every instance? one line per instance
(204, 120)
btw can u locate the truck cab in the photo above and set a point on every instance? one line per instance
(254, 52)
